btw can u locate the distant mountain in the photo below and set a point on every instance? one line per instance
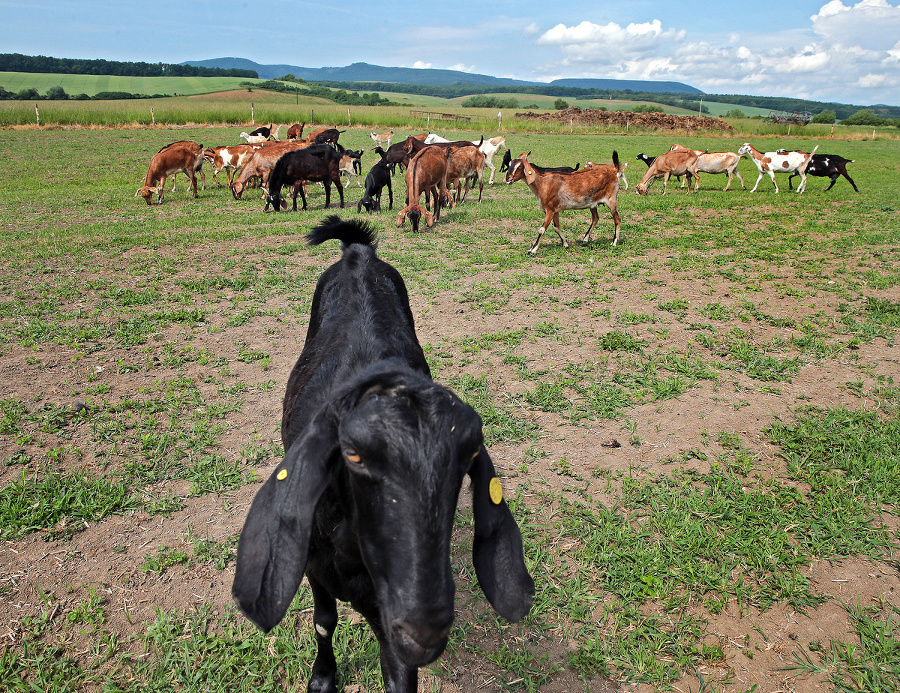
(364, 72)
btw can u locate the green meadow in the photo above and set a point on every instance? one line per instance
(698, 430)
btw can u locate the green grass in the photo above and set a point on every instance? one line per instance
(166, 330)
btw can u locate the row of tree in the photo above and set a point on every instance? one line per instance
(16, 62)
(59, 94)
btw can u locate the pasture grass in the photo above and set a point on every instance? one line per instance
(166, 323)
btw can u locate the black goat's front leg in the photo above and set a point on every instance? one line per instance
(324, 670)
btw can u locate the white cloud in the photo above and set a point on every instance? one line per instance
(419, 65)
(462, 68)
(849, 49)
(532, 29)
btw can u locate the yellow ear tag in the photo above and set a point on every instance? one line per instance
(495, 490)
(282, 475)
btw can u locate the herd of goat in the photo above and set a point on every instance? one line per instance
(364, 500)
(444, 171)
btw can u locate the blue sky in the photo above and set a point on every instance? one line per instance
(825, 51)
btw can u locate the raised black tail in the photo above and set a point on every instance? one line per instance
(347, 232)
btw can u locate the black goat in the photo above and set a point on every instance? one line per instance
(319, 163)
(328, 136)
(827, 165)
(396, 155)
(365, 498)
(378, 177)
(507, 160)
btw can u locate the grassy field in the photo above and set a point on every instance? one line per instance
(698, 430)
(94, 84)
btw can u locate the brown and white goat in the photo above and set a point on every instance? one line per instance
(780, 161)
(557, 192)
(230, 158)
(178, 157)
(716, 162)
(672, 163)
(426, 173)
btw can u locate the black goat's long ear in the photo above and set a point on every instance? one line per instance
(274, 543)
(497, 546)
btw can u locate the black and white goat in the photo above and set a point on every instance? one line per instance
(365, 497)
(826, 166)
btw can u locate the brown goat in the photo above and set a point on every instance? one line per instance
(295, 132)
(178, 157)
(679, 162)
(260, 164)
(426, 173)
(584, 189)
(463, 163)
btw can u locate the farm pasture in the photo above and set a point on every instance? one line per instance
(698, 430)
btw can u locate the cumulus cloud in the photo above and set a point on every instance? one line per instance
(419, 65)
(845, 48)
(462, 68)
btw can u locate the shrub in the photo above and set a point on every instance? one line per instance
(826, 117)
(560, 105)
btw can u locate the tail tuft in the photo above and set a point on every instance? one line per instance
(347, 232)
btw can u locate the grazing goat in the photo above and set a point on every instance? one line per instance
(319, 163)
(826, 165)
(649, 161)
(782, 161)
(716, 162)
(260, 163)
(557, 192)
(364, 501)
(426, 173)
(672, 163)
(198, 170)
(378, 177)
(295, 132)
(174, 158)
(507, 160)
(382, 139)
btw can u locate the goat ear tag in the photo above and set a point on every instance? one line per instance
(282, 475)
(495, 490)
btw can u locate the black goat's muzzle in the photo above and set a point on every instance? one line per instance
(419, 644)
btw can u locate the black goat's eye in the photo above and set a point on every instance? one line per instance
(354, 460)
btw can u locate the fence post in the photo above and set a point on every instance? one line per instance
(312, 116)
(152, 116)
(252, 115)
(348, 118)
(873, 128)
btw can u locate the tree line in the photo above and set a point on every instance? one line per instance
(16, 62)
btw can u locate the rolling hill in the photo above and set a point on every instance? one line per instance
(364, 72)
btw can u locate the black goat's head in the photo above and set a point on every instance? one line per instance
(391, 448)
